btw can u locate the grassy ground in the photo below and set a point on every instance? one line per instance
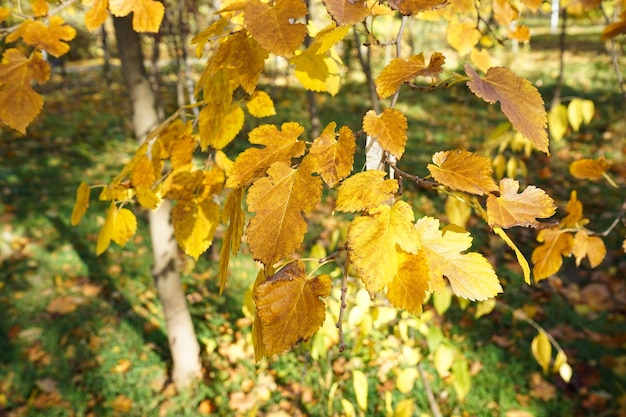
(83, 335)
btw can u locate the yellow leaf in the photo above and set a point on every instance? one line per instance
(365, 190)
(575, 113)
(470, 274)
(590, 169)
(142, 173)
(49, 38)
(400, 71)
(542, 350)
(442, 300)
(147, 14)
(513, 209)
(521, 103)
(409, 286)
(40, 8)
(260, 105)
(547, 258)
(574, 213)
(406, 380)
(521, 33)
(106, 232)
(462, 379)
(591, 247)
(533, 5)
(373, 240)
(518, 254)
(279, 199)
(565, 370)
(19, 103)
(388, 128)
(458, 211)
(234, 232)
(226, 130)
(481, 59)
(504, 12)
(147, 198)
(272, 27)
(194, 225)
(216, 29)
(5, 13)
(333, 156)
(557, 122)
(346, 12)
(317, 72)
(289, 307)
(96, 15)
(444, 357)
(411, 7)
(124, 226)
(81, 203)
(280, 146)
(464, 171)
(404, 408)
(485, 307)
(327, 37)
(359, 382)
(463, 36)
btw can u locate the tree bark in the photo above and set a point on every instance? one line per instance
(181, 335)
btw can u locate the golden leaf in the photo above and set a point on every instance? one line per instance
(411, 7)
(19, 103)
(279, 199)
(574, 213)
(271, 26)
(504, 12)
(388, 128)
(513, 209)
(232, 237)
(365, 190)
(521, 33)
(458, 210)
(142, 174)
(317, 71)
(518, 254)
(333, 156)
(224, 130)
(481, 59)
(373, 240)
(463, 36)
(533, 5)
(580, 111)
(49, 38)
(557, 122)
(280, 146)
(260, 105)
(194, 225)
(347, 12)
(399, 71)
(464, 171)
(289, 307)
(5, 13)
(327, 37)
(40, 7)
(521, 103)
(96, 15)
(547, 258)
(81, 203)
(542, 350)
(614, 29)
(147, 14)
(591, 247)
(590, 169)
(409, 286)
(124, 226)
(147, 198)
(216, 29)
(470, 274)
(106, 232)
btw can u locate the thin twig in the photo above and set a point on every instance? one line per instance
(414, 178)
(613, 52)
(343, 305)
(333, 255)
(432, 402)
(394, 99)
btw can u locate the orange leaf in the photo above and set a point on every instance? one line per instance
(547, 258)
(334, 157)
(373, 240)
(590, 169)
(574, 213)
(280, 146)
(289, 307)
(279, 199)
(234, 232)
(96, 15)
(591, 247)
(388, 128)
(194, 225)
(147, 14)
(365, 190)
(40, 7)
(464, 171)
(520, 101)
(614, 29)
(346, 12)
(50, 37)
(513, 209)
(463, 36)
(411, 7)
(521, 33)
(470, 274)
(504, 12)
(271, 26)
(399, 71)
(19, 103)
(81, 204)
(409, 286)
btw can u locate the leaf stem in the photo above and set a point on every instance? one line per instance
(343, 305)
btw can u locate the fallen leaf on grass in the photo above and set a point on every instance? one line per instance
(597, 296)
(540, 388)
(63, 305)
(122, 404)
(122, 366)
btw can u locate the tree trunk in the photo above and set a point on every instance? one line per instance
(180, 332)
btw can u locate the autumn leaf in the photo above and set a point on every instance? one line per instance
(574, 215)
(81, 203)
(365, 190)
(346, 12)
(333, 153)
(614, 29)
(481, 59)
(590, 169)
(232, 237)
(464, 171)
(280, 146)
(557, 122)
(5, 13)
(580, 111)
(463, 36)
(513, 209)
(591, 247)
(120, 225)
(49, 38)
(96, 15)
(518, 254)
(521, 33)
(388, 128)
(504, 12)
(327, 37)
(400, 71)
(216, 29)
(409, 286)
(19, 103)
(470, 274)
(521, 103)
(289, 307)
(542, 350)
(194, 225)
(219, 133)
(547, 258)
(260, 105)
(147, 14)
(412, 7)
(272, 27)
(279, 199)
(374, 240)
(317, 72)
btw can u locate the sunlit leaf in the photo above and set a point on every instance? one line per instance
(96, 15)
(346, 12)
(333, 153)
(234, 213)
(457, 211)
(504, 12)
(591, 247)
(513, 209)
(464, 171)
(400, 71)
(463, 36)
(124, 227)
(557, 122)
(261, 105)
(359, 382)
(481, 59)
(521, 33)
(272, 27)
(542, 350)
(614, 29)
(106, 232)
(194, 225)
(547, 258)
(411, 7)
(409, 286)
(317, 71)
(365, 190)
(518, 254)
(388, 128)
(405, 382)
(590, 169)
(81, 203)
(147, 14)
